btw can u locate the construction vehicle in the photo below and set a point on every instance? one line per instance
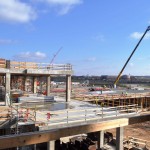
(119, 75)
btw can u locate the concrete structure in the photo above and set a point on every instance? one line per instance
(7, 86)
(51, 135)
(48, 85)
(30, 69)
(100, 135)
(68, 87)
(51, 145)
(119, 138)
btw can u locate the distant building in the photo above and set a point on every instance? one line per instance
(125, 77)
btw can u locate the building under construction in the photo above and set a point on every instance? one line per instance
(27, 118)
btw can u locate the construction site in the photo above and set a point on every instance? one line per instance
(38, 113)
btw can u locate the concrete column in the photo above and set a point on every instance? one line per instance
(8, 64)
(51, 145)
(48, 85)
(25, 80)
(100, 136)
(34, 146)
(68, 88)
(34, 84)
(7, 89)
(119, 138)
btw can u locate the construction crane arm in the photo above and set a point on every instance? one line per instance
(55, 55)
(119, 75)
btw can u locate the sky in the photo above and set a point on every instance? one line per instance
(95, 36)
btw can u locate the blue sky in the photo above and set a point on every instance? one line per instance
(96, 36)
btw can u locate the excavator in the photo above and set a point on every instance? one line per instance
(119, 75)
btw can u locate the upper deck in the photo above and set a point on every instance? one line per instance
(14, 67)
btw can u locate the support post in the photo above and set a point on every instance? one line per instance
(119, 138)
(34, 84)
(51, 145)
(7, 89)
(34, 146)
(100, 136)
(68, 88)
(25, 86)
(48, 85)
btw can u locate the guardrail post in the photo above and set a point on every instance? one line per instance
(11, 112)
(85, 114)
(116, 111)
(67, 117)
(136, 108)
(35, 114)
(127, 109)
(102, 112)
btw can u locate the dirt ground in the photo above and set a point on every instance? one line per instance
(141, 131)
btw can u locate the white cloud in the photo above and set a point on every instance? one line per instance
(91, 59)
(138, 35)
(7, 41)
(64, 2)
(99, 38)
(62, 6)
(16, 11)
(40, 55)
(30, 56)
(131, 64)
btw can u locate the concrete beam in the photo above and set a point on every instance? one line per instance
(48, 72)
(7, 89)
(119, 138)
(36, 71)
(139, 119)
(51, 135)
(68, 88)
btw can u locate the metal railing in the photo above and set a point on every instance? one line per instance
(45, 66)
(69, 117)
(74, 116)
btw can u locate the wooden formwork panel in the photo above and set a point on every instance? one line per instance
(24, 65)
(2, 63)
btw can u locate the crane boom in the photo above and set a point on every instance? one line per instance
(56, 54)
(119, 75)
